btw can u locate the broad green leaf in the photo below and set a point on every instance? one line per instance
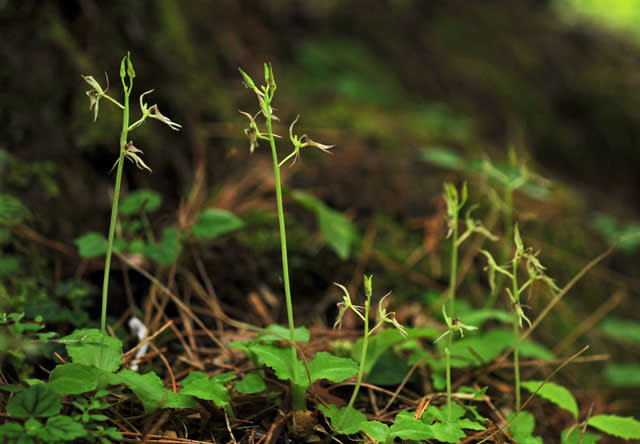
(487, 346)
(192, 377)
(447, 432)
(377, 346)
(279, 359)
(469, 424)
(206, 388)
(213, 222)
(63, 428)
(555, 393)
(39, 401)
(620, 426)
(478, 317)
(522, 426)
(389, 369)
(13, 433)
(250, 384)
(140, 201)
(339, 232)
(276, 332)
(332, 368)
(531, 349)
(623, 375)
(624, 330)
(91, 245)
(90, 347)
(149, 389)
(73, 379)
(377, 430)
(406, 426)
(34, 428)
(572, 436)
(166, 251)
(345, 420)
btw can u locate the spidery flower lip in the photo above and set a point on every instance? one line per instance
(155, 113)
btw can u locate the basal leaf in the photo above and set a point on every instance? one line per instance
(14, 433)
(531, 349)
(207, 388)
(250, 384)
(213, 222)
(620, 426)
(469, 424)
(140, 201)
(338, 230)
(73, 379)
(377, 346)
(276, 332)
(406, 426)
(91, 245)
(90, 347)
(63, 428)
(332, 368)
(345, 420)
(166, 251)
(377, 430)
(149, 389)
(572, 436)
(38, 401)
(447, 432)
(279, 359)
(389, 369)
(555, 393)
(522, 426)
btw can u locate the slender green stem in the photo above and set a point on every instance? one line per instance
(516, 358)
(114, 208)
(298, 392)
(447, 355)
(363, 360)
(516, 332)
(454, 267)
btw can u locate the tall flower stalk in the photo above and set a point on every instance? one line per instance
(127, 150)
(535, 272)
(363, 314)
(455, 202)
(265, 96)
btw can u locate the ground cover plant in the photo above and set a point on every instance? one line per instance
(448, 380)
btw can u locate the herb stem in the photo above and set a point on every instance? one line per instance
(114, 207)
(298, 392)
